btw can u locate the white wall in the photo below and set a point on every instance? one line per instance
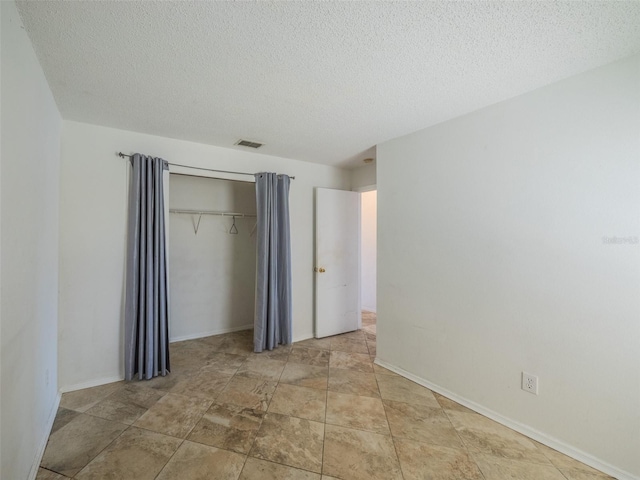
(368, 249)
(362, 177)
(212, 273)
(29, 280)
(492, 261)
(94, 186)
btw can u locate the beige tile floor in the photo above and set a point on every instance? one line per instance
(319, 409)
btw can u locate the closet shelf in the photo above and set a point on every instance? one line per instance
(212, 212)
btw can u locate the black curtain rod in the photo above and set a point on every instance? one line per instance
(215, 178)
(122, 155)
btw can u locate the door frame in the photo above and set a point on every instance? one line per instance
(361, 189)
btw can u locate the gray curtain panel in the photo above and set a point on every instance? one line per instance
(273, 317)
(146, 303)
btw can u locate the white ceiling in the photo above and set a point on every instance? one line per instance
(316, 81)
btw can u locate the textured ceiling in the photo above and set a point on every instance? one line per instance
(316, 81)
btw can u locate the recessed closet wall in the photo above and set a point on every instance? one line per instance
(94, 186)
(211, 272)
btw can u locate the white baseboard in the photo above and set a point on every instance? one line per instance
(91, 383)
(117, 378)
(219, 331)
(43, 442)
(526, 430)
(303, 337)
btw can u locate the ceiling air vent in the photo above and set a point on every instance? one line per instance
(247, 143)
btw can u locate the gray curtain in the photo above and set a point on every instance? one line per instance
(273, 317)
(146, 304)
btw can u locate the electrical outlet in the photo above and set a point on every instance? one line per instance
(529, 383)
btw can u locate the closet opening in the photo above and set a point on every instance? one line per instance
(212, 256)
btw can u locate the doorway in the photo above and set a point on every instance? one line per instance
(345, 264)
(368, 253)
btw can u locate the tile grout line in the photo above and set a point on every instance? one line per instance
(501, 457)
(551, 461)
(255, 438)
(383, 408)
(170, 457)
(324, 426)
(202, 416)
(183, 440)
(472, 455)
(393, 439)
(462, 442)
(106, 446)
(93, 416)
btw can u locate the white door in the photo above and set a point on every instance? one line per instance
(337, 262)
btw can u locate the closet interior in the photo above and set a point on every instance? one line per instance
(212, 256)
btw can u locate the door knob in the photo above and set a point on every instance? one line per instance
(320, 270)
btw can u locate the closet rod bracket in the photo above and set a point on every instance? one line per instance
(196, 226)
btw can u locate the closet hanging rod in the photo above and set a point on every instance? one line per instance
(123, 155)
(212, 212)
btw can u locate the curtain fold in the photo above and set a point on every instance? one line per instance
(146, 296)
(273, 315)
